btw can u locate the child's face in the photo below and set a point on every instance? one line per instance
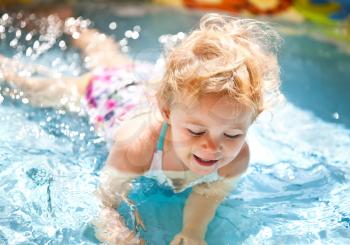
(208, 134)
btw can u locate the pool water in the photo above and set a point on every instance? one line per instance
(296, 190)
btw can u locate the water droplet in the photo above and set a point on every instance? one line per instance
(85, 23)
(25, 101)
(70, 21)
(18, 33)
(123, 42)
(181, 35)
(14, 43)
(87, 59)
(56, 62)
(162, 38)
(336, 115)
(128, 34)
(75, 35)
(62, 45)
(135, 35)
(29, 51)
(137, 28)
(36, 44)
(113, 25)
(29, 37)
(5, 17)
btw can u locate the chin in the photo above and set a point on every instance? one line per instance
(202, 172)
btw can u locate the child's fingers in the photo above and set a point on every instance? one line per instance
(139, 222)
(178, 240)
(182, 239)
(132, 239)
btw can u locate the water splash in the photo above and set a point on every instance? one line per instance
(296, 189)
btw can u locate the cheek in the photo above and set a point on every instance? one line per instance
(233, 147)
(181, 138)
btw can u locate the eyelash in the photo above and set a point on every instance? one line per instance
(195, 133)
(232, 136)
(201, 133)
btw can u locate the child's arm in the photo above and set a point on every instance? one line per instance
(202, 203)
(129, 158)
(109, 225)
(199, 210)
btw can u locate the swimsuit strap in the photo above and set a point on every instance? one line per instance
(161, 138)
(156, 164)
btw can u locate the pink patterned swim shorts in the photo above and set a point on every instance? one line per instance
(114, 92)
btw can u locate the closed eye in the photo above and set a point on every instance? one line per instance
(196, 133)
(232, 136)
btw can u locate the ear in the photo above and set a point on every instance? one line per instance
(165, 111)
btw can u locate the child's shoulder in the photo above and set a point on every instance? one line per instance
(135, 144)
(238, 166)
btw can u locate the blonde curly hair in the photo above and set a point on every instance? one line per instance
(226, 55)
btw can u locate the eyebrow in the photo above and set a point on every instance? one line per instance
(232, 127)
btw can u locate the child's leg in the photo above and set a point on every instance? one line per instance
(49, 91)
(99, 49)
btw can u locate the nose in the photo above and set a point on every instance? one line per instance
(211, 145)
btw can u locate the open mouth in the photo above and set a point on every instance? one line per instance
(203, 162)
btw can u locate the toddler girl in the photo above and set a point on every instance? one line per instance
(215, 84)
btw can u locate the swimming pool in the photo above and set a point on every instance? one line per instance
(296, 190)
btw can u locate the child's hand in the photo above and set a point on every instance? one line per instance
(185, 238)
(111, 229)
(138, 221)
